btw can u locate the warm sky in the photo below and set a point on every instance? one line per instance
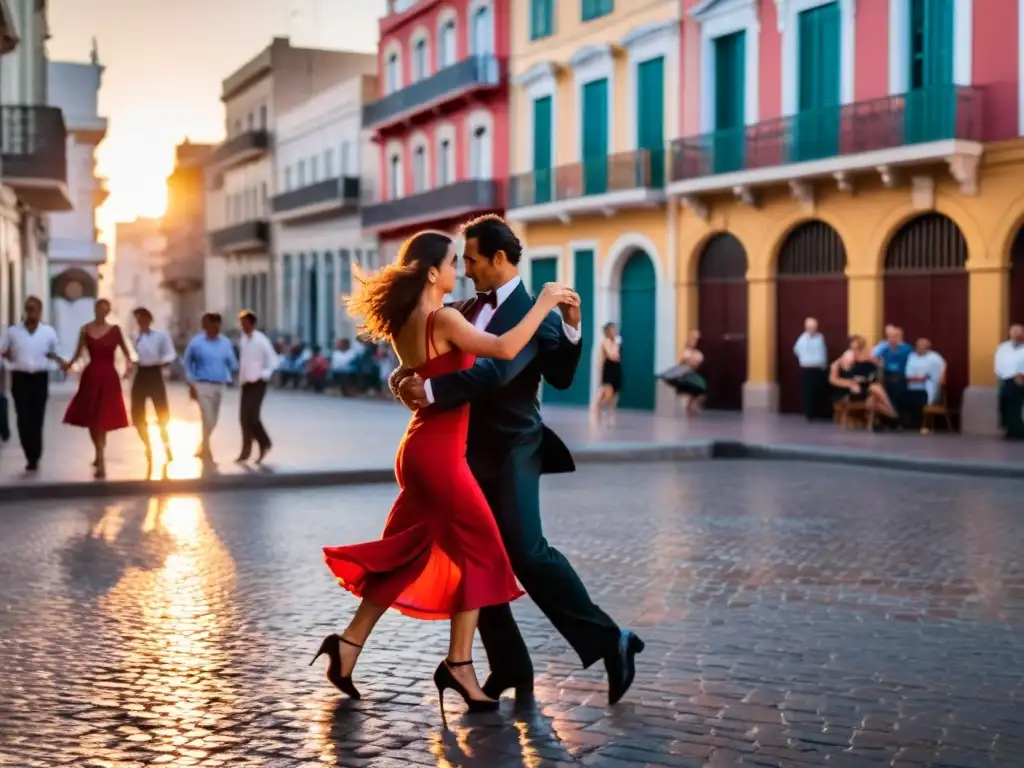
(165, 60)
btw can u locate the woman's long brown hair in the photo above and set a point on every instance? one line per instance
(384, 301)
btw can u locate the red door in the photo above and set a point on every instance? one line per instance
(1017, 279)
(926, 293)
(811, 282)
(722, 318)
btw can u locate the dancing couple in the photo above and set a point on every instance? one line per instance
(467, 522)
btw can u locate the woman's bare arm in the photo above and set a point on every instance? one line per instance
(454, 328)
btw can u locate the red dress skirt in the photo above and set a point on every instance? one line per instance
(441, 551)
(99, 401)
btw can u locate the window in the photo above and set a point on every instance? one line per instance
(478, 153)
(444, 159)
(263, 199)
(263, 117)
(481, 29)
(392, 74)
(251, 121)
(346, 166)
(395, 177)
(301, 174)
(419, 60)
(446, 45)
(419, 169)
(288, 178)
(542, 18)
(314, 169)
(329, 163)
(595, 9)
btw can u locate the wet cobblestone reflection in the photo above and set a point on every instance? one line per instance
(794, 615)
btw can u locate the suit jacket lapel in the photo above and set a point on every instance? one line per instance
(510, 311)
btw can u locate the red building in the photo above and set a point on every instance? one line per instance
(441, 120)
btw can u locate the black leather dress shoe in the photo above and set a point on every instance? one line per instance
(621, 665)
(496, 685)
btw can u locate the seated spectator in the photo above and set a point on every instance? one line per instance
(344, 366)
(291, 367)
(317, 370)
(387, 361)
(855, 378)
(892, 355)
(925, 369)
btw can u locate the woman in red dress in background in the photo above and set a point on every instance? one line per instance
(441, 555)
(98, 405)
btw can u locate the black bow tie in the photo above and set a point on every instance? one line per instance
(490, 297)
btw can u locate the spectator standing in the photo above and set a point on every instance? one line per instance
(812, 355)
(257, 362)
(1009, 364)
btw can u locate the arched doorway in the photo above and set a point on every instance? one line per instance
(1017, 278)
(811, 282)
(638, 287)
(722, 318)
(926, 292)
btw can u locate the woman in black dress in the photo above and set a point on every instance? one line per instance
(611, 374)
(855, 378)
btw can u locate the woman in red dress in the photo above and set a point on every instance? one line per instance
(441, 555)
(98, 405)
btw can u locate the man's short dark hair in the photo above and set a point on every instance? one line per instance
(492, 234)
(249, 315)
(33, 300)
(142, 311)
(212, 317)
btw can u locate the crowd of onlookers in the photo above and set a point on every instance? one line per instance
(359, 367)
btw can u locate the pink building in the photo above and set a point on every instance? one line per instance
(441, 121)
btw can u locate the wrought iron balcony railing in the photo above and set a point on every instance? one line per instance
(247, 235)
(640, 169)
(343, 191)
(450, 200)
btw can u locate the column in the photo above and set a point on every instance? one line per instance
(761, 390)
(865, 301)
(988, 288)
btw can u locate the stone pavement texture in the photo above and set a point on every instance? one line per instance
(794, 615)
(324, 439)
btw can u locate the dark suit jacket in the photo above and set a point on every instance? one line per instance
(505, 416)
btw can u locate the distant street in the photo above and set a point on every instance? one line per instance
(794, 615)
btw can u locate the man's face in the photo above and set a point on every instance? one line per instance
(33, 311)
(481, 270)
(212, 327)
(1017, 334)
(142, 320)
(811, 325)
(922, 346)
(247, 325)
(893, 335)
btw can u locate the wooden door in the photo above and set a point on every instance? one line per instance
(1017, 279)
(542, 151)
(811, 282)
(722, 318)
(638, 313)
(730, 101)
(816, 124)
(650, 129)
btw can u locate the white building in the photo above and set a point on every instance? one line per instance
(240, 266)
(75, 256)
(139, 253)
(323, 162)
(33, 157)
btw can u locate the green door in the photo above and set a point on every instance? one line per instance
(594, 126)
(583, 264)
(542, 150)
(931, 97)
(650, 121)
(546, 271)
(638, 329)
(730, 102)
(816, 126)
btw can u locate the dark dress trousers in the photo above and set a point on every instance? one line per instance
(508, 449)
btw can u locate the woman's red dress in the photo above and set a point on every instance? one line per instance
(99, 402)
(441, 552)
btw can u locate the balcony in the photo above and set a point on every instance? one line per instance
(66, 250)
(33, 156)
(183, 272)
(459, 199)
(880, 136)
(247, 237)
(240, 149)
(591, 187)
(449, 86)
(320, 200)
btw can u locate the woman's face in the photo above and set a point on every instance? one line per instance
(102, 310)
(609, 330)
(447, 273)
(856, 344)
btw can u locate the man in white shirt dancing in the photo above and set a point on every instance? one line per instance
(155, 351)
(256, 366)
(30, 349)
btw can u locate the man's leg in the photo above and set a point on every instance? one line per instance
(163, 414)
(32, 416)
(245, 419)
(209, 396)
(20, 394)
(808, 384)
(5, 425)
(138, 411)
(1014, 405)
(259, 432)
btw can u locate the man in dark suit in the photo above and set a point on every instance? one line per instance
(508, 450)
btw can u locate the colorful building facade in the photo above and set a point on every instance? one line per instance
(853, 161)
(441, 121)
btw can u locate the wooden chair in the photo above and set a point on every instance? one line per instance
(850, 414)
(939, 409)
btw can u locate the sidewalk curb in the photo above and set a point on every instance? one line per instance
(613, 453)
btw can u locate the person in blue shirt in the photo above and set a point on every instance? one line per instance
(893, 354)
(210, 363)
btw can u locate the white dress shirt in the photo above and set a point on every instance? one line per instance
(258, 360)
(484, 316)
(29, 350)
(154, 348)
(1009, 360)
(810, 350)
(930, 365)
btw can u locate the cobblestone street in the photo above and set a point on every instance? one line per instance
(793, 614)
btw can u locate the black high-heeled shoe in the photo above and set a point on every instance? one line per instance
(332, 647)
(444, 679)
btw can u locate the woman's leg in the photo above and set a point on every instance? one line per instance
(882, 401)
(96, 436)
(358, 631)
(460, 648)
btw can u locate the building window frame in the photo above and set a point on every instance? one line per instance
(537, 82)
(419, 55)
(445, 163)
(719, 20)
(480, 120)
(963, 46)
(789, 25)
(476, 10)
(447, 54)
(589, 64)
(542, 19)
(591, 10)
(419, 152)
(645, 43)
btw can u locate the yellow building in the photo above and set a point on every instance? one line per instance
(594, 101)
